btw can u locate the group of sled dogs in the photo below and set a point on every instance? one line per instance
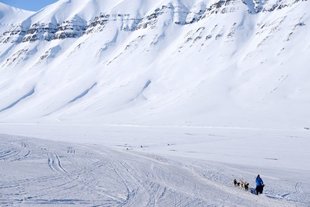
(242, 184)
(245, 185)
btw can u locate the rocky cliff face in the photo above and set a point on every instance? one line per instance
(77, 27)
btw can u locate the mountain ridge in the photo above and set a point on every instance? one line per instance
(11, 15)
(222, 63)
(81, 26)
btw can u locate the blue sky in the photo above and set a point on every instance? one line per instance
(33, 5)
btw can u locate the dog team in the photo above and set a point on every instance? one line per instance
(245, 185)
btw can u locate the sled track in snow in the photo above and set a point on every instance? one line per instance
(14, 151)
(54, 163)
(40, 173)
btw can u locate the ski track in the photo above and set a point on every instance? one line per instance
(90, 175)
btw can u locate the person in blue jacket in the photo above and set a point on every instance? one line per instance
(259, 185)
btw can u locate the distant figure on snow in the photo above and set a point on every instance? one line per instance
(259, 185)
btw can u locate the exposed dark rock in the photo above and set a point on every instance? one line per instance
(77, 27)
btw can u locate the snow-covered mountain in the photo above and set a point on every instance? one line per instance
(10, 16)
(181, 62)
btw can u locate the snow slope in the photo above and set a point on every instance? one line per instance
(206, 63)
(48, 173)
(11, 16)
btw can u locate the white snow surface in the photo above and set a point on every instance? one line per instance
(155, 103)
(44, 173)
(10, 16)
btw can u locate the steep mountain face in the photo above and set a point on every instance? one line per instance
(211, 63)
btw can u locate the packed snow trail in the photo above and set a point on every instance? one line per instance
(43, 173)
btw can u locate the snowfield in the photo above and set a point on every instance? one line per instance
(155, 103)
(132, 166)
